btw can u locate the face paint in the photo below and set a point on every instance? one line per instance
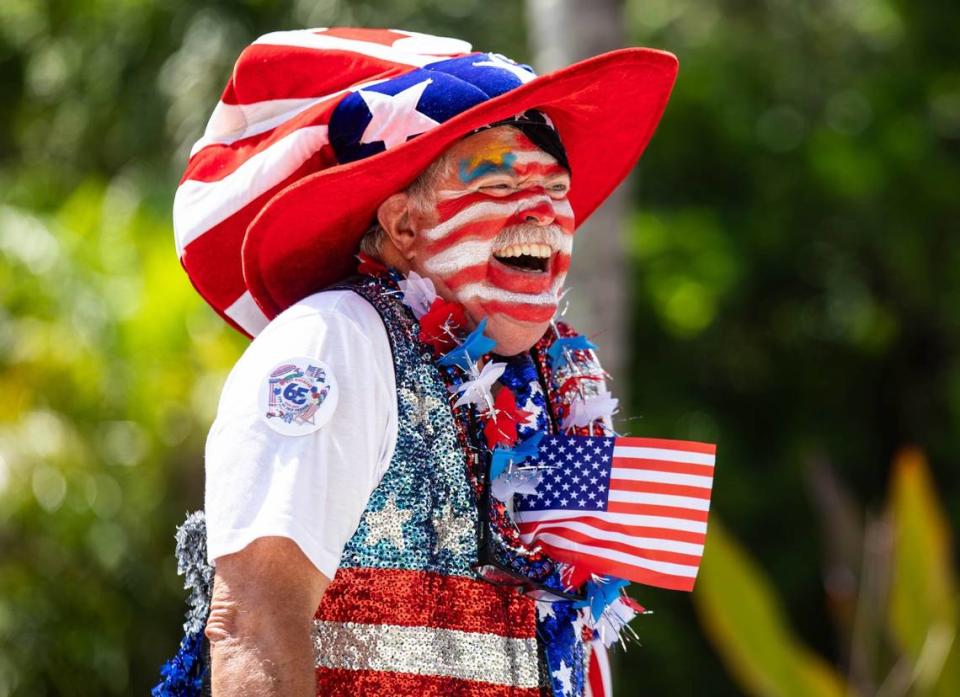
(501, 228)
(495, 158)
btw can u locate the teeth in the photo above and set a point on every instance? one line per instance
(542, 251)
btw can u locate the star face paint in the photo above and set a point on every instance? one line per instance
(496, 157)
(499, 234)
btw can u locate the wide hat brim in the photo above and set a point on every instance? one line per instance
(605, 109)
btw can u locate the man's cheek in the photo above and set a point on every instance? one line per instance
(461, 255)
(472, 232)
(461, 264)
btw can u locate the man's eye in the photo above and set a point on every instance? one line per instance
(559, 188)
(496, 186)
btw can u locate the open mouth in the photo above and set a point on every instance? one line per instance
(532, 258)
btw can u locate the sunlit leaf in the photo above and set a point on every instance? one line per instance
(923, 610)
(748, 628)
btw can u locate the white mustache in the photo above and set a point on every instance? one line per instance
(473, 252)
(528, 233)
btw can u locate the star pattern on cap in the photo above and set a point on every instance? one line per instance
(387, 524)
(394, 117)
(495, 60)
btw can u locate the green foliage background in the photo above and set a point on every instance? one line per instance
(794, 243)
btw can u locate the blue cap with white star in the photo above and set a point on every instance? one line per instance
(385, 114)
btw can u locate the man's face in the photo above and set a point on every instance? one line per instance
(496, 233)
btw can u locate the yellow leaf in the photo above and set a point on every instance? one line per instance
(923, 595)
(744, 620)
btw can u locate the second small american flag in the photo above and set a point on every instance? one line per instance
(635, 508)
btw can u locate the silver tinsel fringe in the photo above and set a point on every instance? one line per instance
(198, 574)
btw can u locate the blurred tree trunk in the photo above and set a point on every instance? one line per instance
(563, 32)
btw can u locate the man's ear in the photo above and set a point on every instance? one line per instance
(394, 217)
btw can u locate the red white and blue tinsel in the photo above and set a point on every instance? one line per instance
(512, 424)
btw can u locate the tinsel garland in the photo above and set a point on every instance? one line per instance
(186, 674)
(563, 626)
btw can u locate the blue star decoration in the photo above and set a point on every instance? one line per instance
(568, 343)
(386, 114)
(601, 595)
(467, 353)
(561, 628)
(502, 457)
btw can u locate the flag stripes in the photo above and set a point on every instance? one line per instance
(586, 531)
(664, 466)
(692, 481)
(635, 508)
(659, 522)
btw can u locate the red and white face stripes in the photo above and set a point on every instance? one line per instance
(499, 232)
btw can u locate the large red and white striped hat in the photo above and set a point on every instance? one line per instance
(317, 127)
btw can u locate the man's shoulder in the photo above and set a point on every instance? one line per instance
(325, 306)
(336, 327)
(328, 315)
(329, 324)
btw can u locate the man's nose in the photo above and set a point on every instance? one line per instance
(539, 212)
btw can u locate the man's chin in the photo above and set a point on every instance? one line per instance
(513, 334)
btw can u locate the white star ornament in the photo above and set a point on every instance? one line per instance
(394, 118)
(418, 293)
(477, 390)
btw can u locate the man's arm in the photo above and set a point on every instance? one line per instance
(261, 616)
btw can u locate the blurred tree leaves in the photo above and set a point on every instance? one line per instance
(923, 596)
(743, 615)
(110, 372)
(796, 275)
(689, 265)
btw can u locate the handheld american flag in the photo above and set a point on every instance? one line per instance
(634, 508)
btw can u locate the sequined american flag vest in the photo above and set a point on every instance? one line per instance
(405, 613)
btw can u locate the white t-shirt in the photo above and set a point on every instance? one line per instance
(311, 487)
